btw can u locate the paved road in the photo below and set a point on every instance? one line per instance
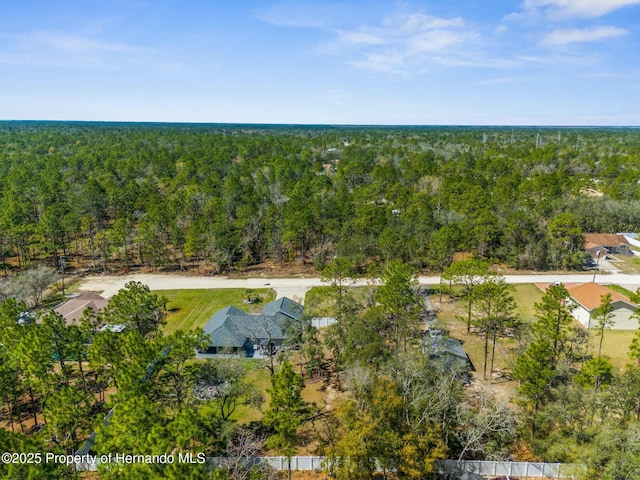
(109, 285)
(298, 287)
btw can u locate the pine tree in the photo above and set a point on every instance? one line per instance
(554, 319)
(495, 312)
(286, 411)
(604, 317)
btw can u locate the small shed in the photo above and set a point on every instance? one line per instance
(447, 349)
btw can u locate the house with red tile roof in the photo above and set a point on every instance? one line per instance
(587, 297)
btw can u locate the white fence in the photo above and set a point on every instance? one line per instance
(279, 463)
(319, 322)
(516, 469)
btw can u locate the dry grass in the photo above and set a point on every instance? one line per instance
(321, 301)
(451, 315)
(615, 346)
(626, 263)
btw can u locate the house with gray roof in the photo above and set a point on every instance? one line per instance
(284, 306)
(232, 331)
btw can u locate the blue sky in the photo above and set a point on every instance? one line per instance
(444, 62)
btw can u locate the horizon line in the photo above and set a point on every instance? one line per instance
(339, 125)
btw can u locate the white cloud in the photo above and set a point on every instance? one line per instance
(362, 38)
(403, 43)
(80, 50)
(560, 9)
(563, 37)
(389, 61)
(320, 15)
(420, 21)
(77, 43)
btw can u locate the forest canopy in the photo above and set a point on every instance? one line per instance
(111, 196)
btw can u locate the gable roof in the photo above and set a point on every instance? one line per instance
(605, 239)
(588, 295)
(73, 308)
(284, 306)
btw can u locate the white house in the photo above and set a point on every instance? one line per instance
(587, 297)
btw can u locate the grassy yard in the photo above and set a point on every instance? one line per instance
(452, 312)
(526, 296)
(320, 301)
(192, 308)
(626, 263)
(615, 346)
(258, 375)
(314, 393)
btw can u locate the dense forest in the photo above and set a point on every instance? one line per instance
(215, 198)
(342, 200)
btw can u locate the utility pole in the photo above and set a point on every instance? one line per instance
(597, 263)
(63, 264)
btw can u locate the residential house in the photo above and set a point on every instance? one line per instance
(587, 297)
(606, 243)
(72, 309)
(232, 331)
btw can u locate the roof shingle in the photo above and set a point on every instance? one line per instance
(73, 308)
(589, 294)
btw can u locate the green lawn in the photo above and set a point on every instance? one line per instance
(526, 296)
(621, 290)
(258, 375)
(192, 308)
(319, 302)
